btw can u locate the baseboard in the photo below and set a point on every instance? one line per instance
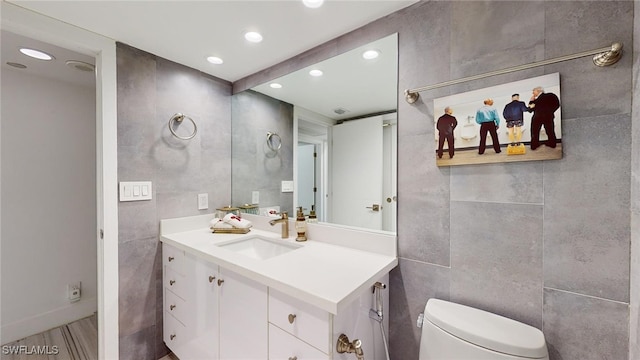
(49, 320)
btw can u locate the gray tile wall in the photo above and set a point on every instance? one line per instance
(150, 91)
(546, 243)
(256, 167)
(634, 326)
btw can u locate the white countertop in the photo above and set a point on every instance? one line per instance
(325, 275)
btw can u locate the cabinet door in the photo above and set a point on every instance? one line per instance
(243, 317)
(204, 314)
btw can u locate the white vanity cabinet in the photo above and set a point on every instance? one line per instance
(210, 312)
(190, 305)
(223, 304)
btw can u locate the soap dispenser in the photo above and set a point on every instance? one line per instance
(312, 215)
(301, 225)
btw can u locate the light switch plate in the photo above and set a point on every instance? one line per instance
(287, 186)
(135, 190)
(255, 197)
(203, 201)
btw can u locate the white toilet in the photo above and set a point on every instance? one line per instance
(455, 332)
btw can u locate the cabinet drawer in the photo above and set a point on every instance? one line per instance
(173, 258)
(175, 306)
(300, 319)
(175, 282)
(284, 346)
(174, 333)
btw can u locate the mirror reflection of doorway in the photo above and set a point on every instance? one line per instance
(307, 176)
(352, 167)
(312, 167)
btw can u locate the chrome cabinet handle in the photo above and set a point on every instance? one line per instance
(171, 258)
(293, 358)
(171, 282)
(220, 281)
(171, 307)
(374, 207)
(211, 278)
(172, 336)
(292, 318)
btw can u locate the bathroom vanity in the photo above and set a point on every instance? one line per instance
(257, 296)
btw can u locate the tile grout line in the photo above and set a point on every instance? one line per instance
(586, 295)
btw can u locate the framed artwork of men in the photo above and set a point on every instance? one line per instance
(517, 121)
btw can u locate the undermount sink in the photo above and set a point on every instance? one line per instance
(259, 247)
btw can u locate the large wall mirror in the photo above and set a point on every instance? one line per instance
(335, 150)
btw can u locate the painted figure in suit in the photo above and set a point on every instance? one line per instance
(513, 114)
(446, 124)
(543, 106)
(489, 120)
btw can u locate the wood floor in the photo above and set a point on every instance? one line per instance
(75, 341)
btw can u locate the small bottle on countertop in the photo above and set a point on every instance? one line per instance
(312, 215)
(301, 225)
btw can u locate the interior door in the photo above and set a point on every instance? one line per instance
(357, 173)
(306, 176)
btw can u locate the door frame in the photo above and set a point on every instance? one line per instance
(303, 114)
(27, 23)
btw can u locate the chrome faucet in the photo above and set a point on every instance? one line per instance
(284, 219)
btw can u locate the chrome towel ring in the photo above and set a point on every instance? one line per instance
(274, 142)
(179, 117)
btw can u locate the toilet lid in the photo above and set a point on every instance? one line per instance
(487, 330)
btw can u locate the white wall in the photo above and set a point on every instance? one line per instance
(48, 151)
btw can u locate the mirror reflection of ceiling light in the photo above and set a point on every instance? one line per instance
(36, 54)
(370, 54)
(80, 65)
(253, 36)
(275, 85)
(312, 3)
(315, 72)
(215, 60)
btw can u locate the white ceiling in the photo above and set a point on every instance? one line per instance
(358, 86)
(54, 69)
(187, 32)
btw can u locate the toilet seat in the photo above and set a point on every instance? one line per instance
(487, 330)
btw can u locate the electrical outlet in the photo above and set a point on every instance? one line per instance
(255, 197)
(203, 201)
(74, 291)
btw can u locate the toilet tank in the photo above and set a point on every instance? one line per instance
(456, 332)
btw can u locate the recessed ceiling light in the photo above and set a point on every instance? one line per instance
(315, 72)
(340, 111)
(370, 54)
(215, 60)
(16, 65)
(37, 54)
(253, 36)
(80, 65)
(312, 3)
(275, 85)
